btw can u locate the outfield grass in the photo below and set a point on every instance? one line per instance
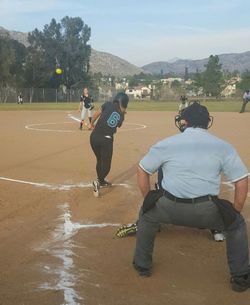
(213, 106)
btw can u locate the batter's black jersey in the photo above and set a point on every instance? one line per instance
(109, 120)
(87, 101)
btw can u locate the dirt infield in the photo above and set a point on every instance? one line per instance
(57, 241)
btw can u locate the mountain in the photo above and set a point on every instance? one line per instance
(19, 36)
(172, 60)
(110, 64)
(230, 62)
(105, 63)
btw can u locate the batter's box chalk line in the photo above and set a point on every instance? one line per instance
(61, 246)
(60, 187)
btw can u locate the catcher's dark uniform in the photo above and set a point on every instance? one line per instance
(101, 138)
(87, 106)
(87, 102)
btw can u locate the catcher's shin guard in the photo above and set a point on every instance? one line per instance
(126, 230)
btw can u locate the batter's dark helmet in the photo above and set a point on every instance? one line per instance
(122, 99)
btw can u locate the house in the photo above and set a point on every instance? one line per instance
(230, 88)
(170, 80)
(139, 92)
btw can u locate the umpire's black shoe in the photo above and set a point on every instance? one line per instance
(240, 283)
(144, 272)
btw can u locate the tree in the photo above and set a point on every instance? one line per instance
(212, 77)
(17, 65)
(176, 84)
(12, 57)
(186, 75)
(245, 81)
(6, 57)
(63, 45)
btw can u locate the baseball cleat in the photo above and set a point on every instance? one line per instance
(96, 188)
(91, 127)
(218, 235)
(105, 183)
(126, 230)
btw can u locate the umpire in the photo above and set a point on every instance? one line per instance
(192, 163)
(245, 100)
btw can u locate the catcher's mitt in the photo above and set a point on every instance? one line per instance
(126, 230)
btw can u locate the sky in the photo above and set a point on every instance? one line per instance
(143, 32)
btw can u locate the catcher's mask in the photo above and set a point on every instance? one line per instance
(195, 115)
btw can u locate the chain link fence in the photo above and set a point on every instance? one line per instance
(48, 95)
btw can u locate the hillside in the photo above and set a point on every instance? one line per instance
(230, 62)
(19, 36)
(109, 64)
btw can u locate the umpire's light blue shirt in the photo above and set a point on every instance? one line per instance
(192, 162)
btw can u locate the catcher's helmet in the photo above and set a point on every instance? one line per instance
(195, 115)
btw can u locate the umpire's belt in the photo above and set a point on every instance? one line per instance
(188, 200)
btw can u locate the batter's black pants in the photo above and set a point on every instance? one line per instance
(102, 146)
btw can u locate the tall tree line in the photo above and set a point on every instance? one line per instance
(63, 45)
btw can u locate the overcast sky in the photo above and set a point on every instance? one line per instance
(146, 31)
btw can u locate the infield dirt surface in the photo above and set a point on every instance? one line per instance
(57, 241)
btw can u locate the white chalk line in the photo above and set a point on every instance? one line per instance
(61, 247)
(35, 127)
(67, 187)
(60, 187)
(140, 126)
(74, 118)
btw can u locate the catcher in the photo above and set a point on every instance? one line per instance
(183, 103)
(86, 106)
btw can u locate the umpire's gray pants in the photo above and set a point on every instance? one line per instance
(197, 215)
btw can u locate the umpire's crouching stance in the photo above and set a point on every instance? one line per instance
(192, 163)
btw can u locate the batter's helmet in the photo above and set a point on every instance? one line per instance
(122, 99)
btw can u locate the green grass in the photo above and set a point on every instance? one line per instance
(213, 106)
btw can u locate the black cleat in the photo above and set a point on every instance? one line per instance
(240, 283)
(105, 183)
(143, 272)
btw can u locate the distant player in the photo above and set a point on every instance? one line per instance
(20, 98)
(86, 105)
(110, 116)
(246, 99)
(183, 103)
